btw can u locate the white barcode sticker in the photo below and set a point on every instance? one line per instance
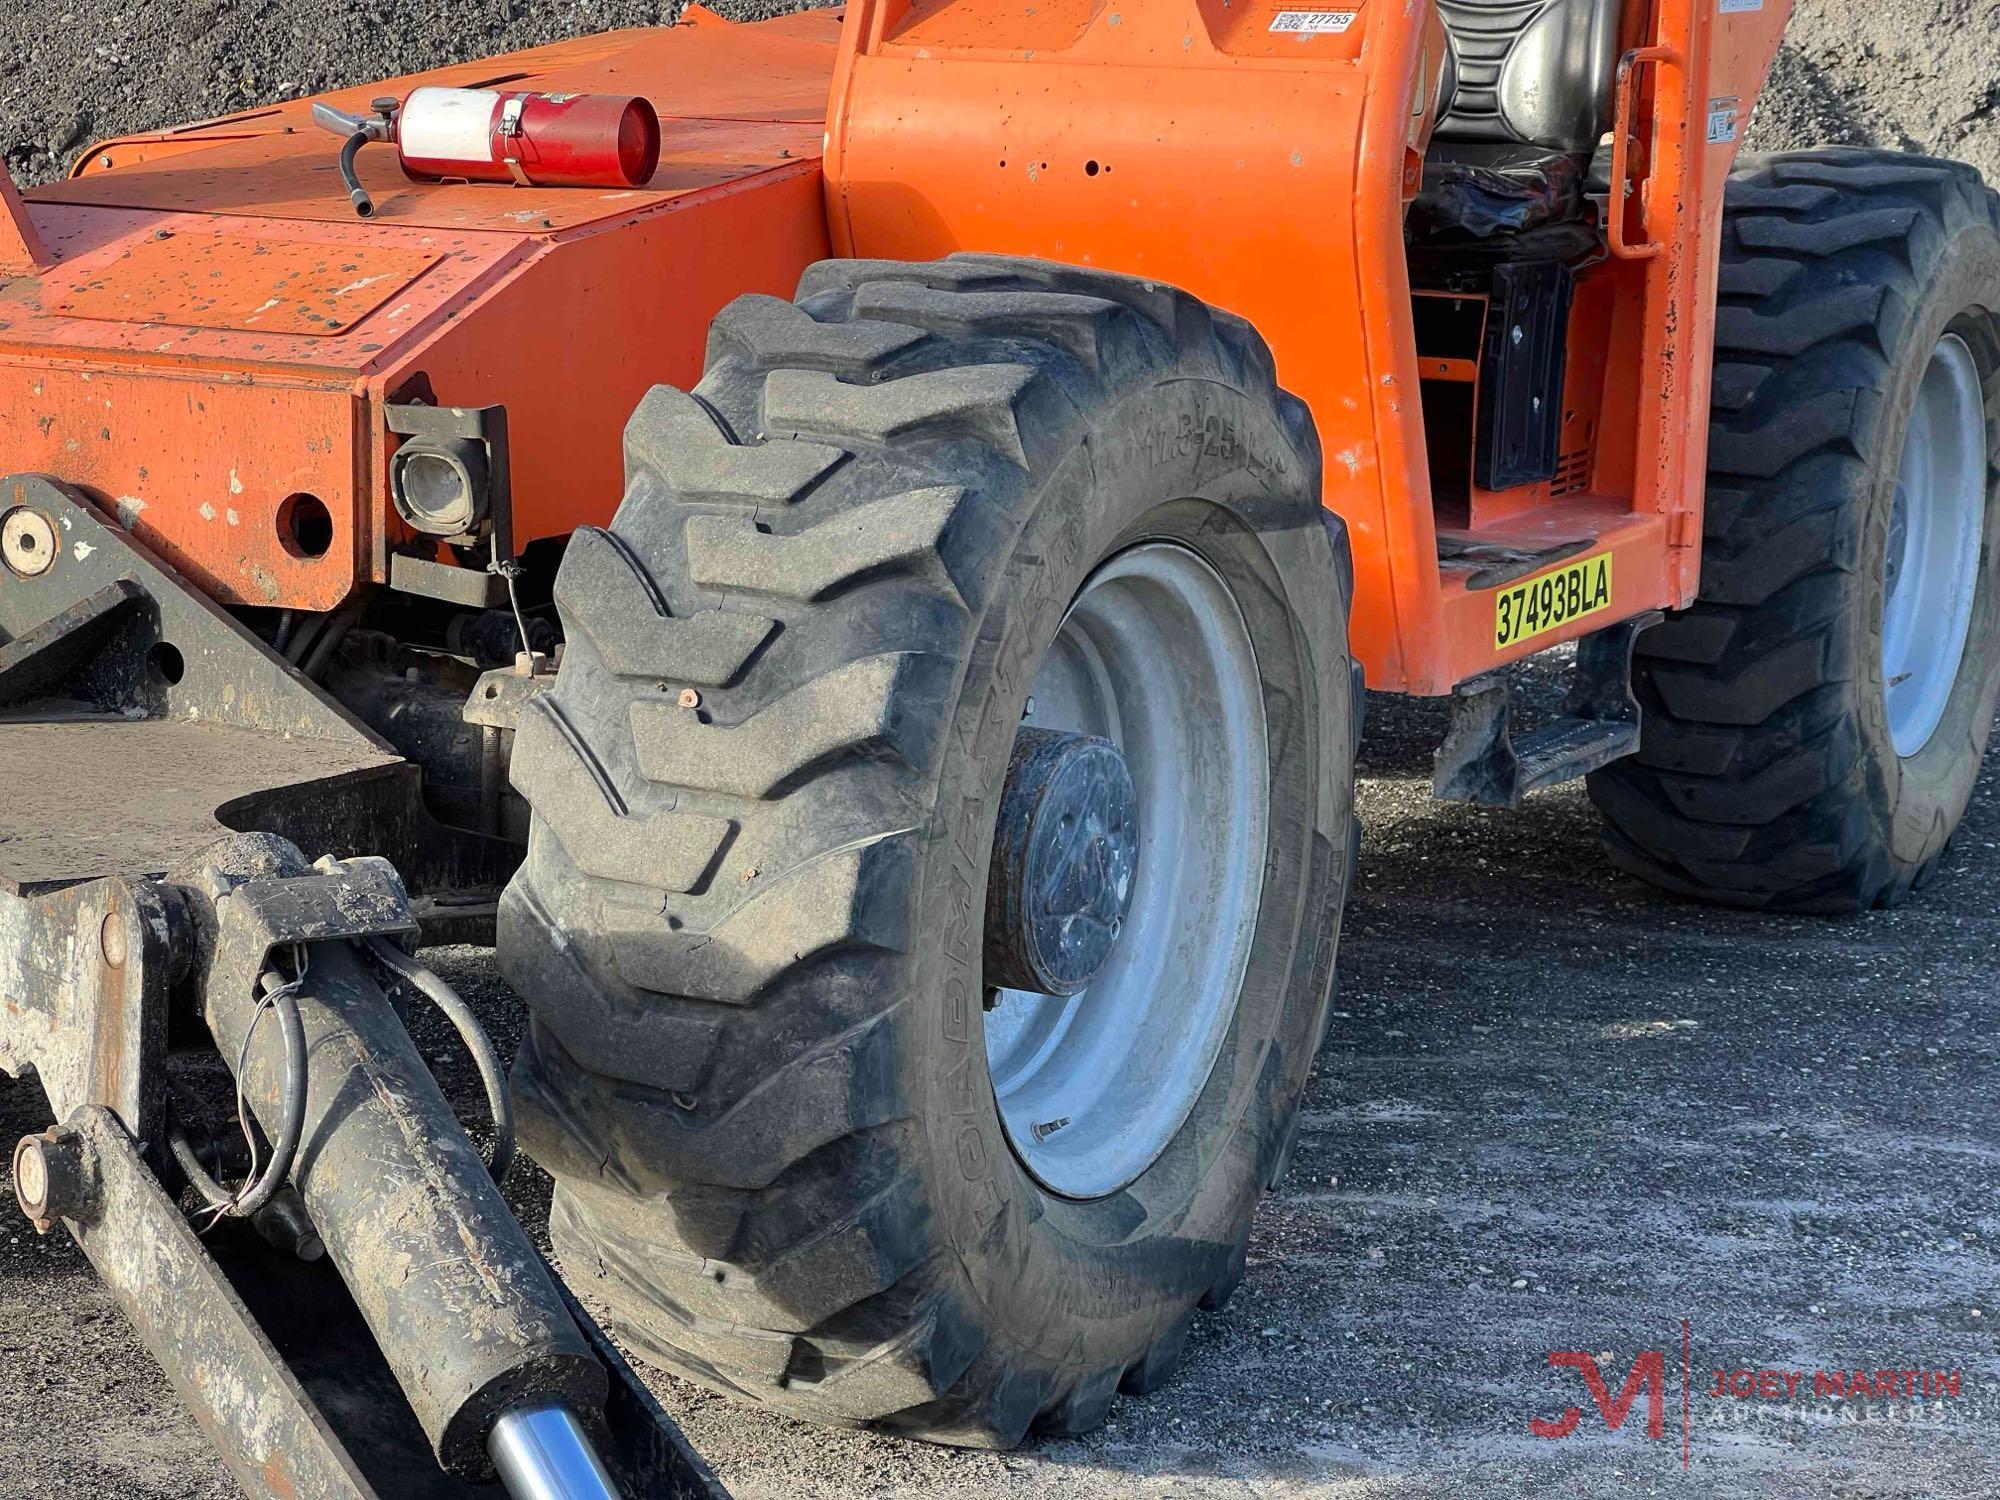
(1737, 7)
(1314, 22)
(1723, 115)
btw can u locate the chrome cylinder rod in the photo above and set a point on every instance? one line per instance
(543, 1453)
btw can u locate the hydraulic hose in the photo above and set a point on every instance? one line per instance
(491, 1071)
(213, 1193)
(263, 1186)
(310, 652)
(285, 1149)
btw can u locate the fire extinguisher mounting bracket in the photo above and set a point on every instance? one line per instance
(510, 131)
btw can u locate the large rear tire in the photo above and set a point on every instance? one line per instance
(1814, 724)
(752, 920)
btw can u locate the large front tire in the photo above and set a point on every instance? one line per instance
(1814, 724)
(765, 789)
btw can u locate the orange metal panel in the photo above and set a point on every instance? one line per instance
(135, 150)
(573, 340)
(1176, 144)
(1268, 173)
(1722, 60)
(1635, 544)
(96, 304)
(215, 334)
(199, 469)
(296, 178)
(198, 282)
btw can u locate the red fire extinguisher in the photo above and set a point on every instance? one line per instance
(482, 135)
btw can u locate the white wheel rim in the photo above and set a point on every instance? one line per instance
(1937, 524)
(1154, 656)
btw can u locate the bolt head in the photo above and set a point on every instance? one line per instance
(27, 542)
(111, 940)
(31, 1174)
(690, 698)
(49, 1177)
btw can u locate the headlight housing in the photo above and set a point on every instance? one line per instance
(440, 485)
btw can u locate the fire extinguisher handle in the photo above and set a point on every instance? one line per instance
(339, 121)
(378, 126)
(359, 130)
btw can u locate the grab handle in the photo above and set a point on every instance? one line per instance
(1622, 141)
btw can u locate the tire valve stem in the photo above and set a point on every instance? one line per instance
(1049, 1127)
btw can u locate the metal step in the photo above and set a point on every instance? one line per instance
(1569, 748)
(1481, 762)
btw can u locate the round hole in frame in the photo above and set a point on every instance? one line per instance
(305, 525)
(166, 663)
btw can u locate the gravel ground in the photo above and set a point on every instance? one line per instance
(1920, 74)
(1557, 1112)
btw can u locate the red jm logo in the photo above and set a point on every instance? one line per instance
(1648, 1370)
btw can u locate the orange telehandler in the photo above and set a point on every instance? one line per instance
(870, 614)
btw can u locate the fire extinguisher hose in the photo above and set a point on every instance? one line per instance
(363, 204)
(358, 131)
